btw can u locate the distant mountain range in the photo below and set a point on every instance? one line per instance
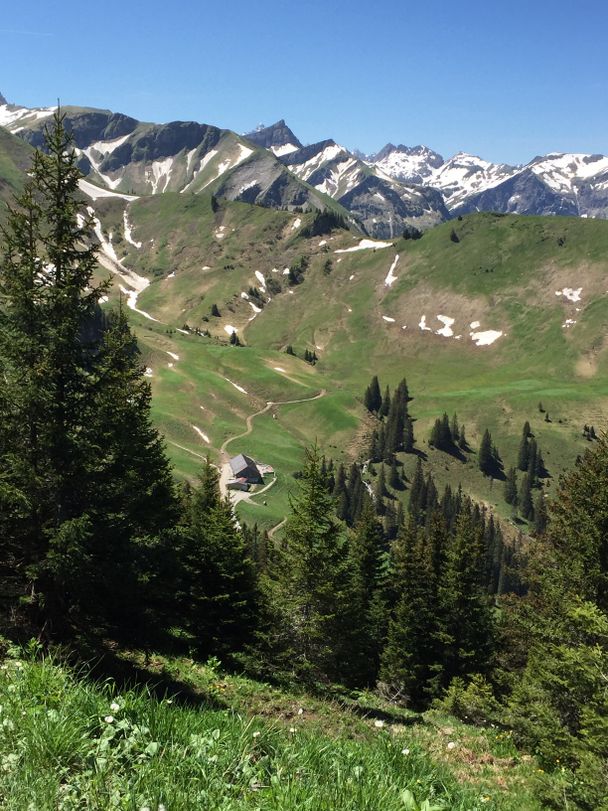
(381, 194)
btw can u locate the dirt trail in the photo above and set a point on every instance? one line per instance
(226, 472)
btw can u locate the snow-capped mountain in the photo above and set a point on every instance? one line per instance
(558, 183)
(381, 204)
(465, 175)
(407, 164)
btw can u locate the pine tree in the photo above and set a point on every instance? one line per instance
(467, 632)
(455, 430)
(462, 441)
(89, 485)
(417, 503)
(511, 487)
(523, 454)
(541, 516)
(373, 397)
(526, 505)
(394, 479)
(409, 656)
(408, 435)
(367, 553)
(307, 591)
(487, 458)
(216, 587)
(532, 462)
(386, 403)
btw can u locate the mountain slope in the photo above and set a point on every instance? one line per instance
(126, 156)
(383, 205)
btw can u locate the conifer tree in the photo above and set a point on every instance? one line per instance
(523, 453)
(409, 655)
(416, 503)
(462, 441)
(307, 591)
(386, 403)
(85, 472)
(455, 430)
(394, 477)
(526, 505)
(216, 587)
(487, 457)
(373, 397)
(367, 552)
(541, 515)
(408, 435)
(511, 487)
(467, 626)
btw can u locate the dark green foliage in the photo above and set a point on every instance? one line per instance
(297, 271)
(307, 589)
(386, 403)
(523, 454)
(408, 435)
(289, 350)
(526, 504)
(373, 398)
(215, 311)
(411, 232)
(411, 652)
(454, 236)
(234, 339)
(510, 489)
(441, 434)
(324, 222)
(215, 594)
(489, 459)
(327, 267)
(541, 516)
(367, 564)
(85, 481)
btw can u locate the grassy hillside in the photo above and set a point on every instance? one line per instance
(228, 742)
(502, 274)
(15, 157)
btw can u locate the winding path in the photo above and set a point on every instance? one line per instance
(225, 474)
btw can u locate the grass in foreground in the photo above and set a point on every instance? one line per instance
(69, 743)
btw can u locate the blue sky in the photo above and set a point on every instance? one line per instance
(505, 80)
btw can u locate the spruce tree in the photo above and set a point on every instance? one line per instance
(523, 453)
(526, 505)
(367, 553)
(216, 586)
(487, 458)
(307, 591)
(467, 632)
(373, 397)
(89, 485)
(386, 403)
(510, 489)
(408, 435)
(409, 656)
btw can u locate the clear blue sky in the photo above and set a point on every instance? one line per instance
(505, 80)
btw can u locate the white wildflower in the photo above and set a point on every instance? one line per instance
(405, 751)
(114, 706)
(378, 724)
(109, 719)
(301, 711)
(292, 730)
(451, 745)
(256, 734)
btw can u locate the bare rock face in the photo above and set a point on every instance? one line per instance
(276, 135)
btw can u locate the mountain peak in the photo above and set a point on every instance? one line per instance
(277, 135)
(2, 99)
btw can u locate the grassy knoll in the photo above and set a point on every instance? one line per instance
(72, 743)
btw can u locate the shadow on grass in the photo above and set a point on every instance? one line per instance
(103, 663)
